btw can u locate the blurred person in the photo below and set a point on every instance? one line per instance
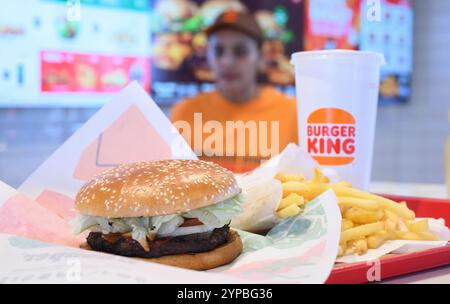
(240, 123)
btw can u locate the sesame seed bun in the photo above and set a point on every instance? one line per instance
(154, 188)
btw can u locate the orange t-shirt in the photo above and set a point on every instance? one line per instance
(238, 137)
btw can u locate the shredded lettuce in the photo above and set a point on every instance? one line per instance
(119, 226)
(214, 216)
(217, 215)
(82, 223)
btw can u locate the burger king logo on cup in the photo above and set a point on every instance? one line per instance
(331, 136)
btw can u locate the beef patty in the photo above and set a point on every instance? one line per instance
(191, 243)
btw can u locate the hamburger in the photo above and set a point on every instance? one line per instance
(174, 212)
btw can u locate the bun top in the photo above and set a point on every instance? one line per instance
(154, 188)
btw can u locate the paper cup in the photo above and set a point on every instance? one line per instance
(337, 96)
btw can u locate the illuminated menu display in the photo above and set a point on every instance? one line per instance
(71, 53)
(179, 65)
(331, 24)
(343, 24)
(392, 36)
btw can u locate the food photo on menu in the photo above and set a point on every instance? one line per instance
(224, 142)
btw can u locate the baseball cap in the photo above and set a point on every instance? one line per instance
(242, 22)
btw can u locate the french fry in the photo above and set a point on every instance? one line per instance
(390, 205)
(361, 231)
(417, 226)
(349, 250)
(290, 177)
(343, 209)
(428, 236)
(376, 240)
(358, 202)
(408, 235)
(346, 224)
(361, 216)
(319, 178)
(291, 199)
(389, 225)
(289, 211)
(343, 184)
(400, 210)
(341, 250)
(358, 246)
(389, 215)
(416, 236)
(307, 190)
(361, 246)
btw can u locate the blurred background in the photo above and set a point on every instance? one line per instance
(61, 60)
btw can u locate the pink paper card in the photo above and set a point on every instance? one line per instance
(21, 216)
(59, 204)
(130, 138)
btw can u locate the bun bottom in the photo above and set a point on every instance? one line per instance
(219, 256)
(222, 255)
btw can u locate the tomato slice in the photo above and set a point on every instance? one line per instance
(191, 222)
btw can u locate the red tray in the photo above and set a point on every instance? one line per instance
(401, 264)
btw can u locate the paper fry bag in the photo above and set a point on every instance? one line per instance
(264, 193)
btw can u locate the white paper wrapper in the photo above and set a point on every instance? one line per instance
(29, 261)
(297, 250)
(132, 128)
(263, 192)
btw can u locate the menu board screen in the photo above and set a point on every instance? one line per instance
(79, 52)
(71, 53)
(178, 64)
(331, 24)
(344, 24)
(392, 36)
